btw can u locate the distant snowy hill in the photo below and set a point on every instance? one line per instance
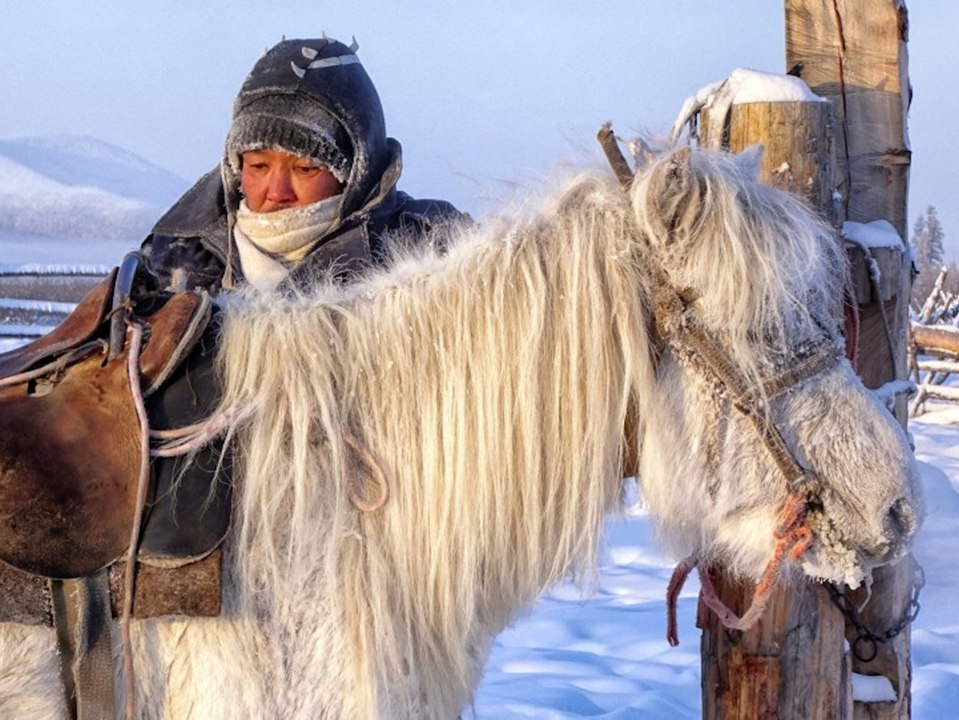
(79, 188)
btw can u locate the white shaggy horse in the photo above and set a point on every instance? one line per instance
(424, 452)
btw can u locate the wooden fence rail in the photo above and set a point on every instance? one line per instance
(933, 359)
(35, 298)
(934, 348)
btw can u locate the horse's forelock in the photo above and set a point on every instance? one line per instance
(761, 263)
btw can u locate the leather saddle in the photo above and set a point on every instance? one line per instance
(70, 449)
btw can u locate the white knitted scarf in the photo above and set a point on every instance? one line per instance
(271, 243)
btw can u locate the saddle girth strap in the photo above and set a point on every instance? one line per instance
(82, 618)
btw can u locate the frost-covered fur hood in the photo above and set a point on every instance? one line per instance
(314, 97)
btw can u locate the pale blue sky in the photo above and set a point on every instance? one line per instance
(481, 94)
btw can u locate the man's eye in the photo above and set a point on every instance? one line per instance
(306, 169)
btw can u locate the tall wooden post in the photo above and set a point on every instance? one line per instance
(791, 664)
(854, 53)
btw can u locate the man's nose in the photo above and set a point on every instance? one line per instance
(280, 187)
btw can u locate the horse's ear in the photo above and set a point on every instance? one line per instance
(642, 153)
(674, 194)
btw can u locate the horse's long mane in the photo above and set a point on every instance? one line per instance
(448, 369)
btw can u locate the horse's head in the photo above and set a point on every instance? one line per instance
(763, 429)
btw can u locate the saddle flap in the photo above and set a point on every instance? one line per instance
(173, 332)
(70, 440)
(190, 512)
(70, 465)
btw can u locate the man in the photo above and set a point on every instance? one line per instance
(306, 187)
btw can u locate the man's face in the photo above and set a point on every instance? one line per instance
(274, 180)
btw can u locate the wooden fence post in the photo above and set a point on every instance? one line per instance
(854, 53)
(791, 664)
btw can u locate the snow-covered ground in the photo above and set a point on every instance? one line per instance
(605, 656)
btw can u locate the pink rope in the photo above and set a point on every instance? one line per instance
(177, 433)
(181, 441)
(74, 355)
(793, 538)
(676, 583)
(376, 470)
(143, 484)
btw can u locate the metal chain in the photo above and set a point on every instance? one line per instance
(866, 645)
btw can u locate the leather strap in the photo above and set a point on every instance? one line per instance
(81, 615)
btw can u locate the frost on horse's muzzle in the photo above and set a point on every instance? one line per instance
(838, 555)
